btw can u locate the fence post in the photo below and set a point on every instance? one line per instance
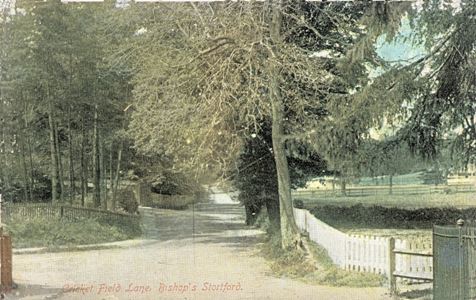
(6, 279)
(1, 209)
(61, 211)
(462, 292)
(391, 266)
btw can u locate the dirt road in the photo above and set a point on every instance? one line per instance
(205, 253)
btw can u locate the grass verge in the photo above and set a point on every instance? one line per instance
(410, 201)
(52, 232)
(293, 264)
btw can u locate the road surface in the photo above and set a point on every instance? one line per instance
(204, 253)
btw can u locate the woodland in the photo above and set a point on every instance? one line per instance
(260, 94)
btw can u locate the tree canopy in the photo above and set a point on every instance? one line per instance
(180, 91)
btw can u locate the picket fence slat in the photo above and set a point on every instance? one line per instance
(69, 213)
(366, 253)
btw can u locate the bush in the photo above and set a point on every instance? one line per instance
(127, 201)
(298, 203)
(41, 191)
(262, 221)
(168, 182)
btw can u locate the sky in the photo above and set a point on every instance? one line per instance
(400, 49)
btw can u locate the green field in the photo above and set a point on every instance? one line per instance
(458, 200)
(405, 179)
(350, 225)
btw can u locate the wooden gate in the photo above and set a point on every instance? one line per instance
(454, 262)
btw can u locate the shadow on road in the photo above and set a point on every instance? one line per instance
(32, 291)
(206, 223)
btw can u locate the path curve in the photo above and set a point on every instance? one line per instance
(201, 253)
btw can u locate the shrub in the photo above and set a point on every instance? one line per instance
(262, 221)
(127, 201)
(298, 203)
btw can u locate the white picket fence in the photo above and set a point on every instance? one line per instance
(369, 253)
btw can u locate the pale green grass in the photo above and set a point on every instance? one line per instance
(458, 200)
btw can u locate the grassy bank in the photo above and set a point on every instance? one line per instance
(379, 217)
(458, 200)
(293, 264)
(54, 232)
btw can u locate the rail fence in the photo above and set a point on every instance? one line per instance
(65, 212)
(397, 259)
(396, 190)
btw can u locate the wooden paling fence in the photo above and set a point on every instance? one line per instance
(65, 212)
(384, 190)
(395, 258)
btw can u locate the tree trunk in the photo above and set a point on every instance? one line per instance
(26, 180)
(290, 235)
(60, 164)
(102, 176)
(3, 166)
(96, 165)
(343, 185)
(272, 207)
(116, 179)
(83, 172)
(252, 209)
(54, 162)
(289, 231)
(118, 170)
(333, 185)
(72, 181)
(111, 183)
(3, 149)
(30, 154)
(390, 191)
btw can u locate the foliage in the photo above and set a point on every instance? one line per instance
(56, 73)
(298, 203)
(41, 191)
(359, 216)
(234, 94)
(386, 157)
(127, 201)
(255, 176)
(216, 80)
(168, 182)
(435, 92)
(241, 89)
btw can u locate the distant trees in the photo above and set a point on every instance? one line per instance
(65, 104)
(435, 92)
(388, 157)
